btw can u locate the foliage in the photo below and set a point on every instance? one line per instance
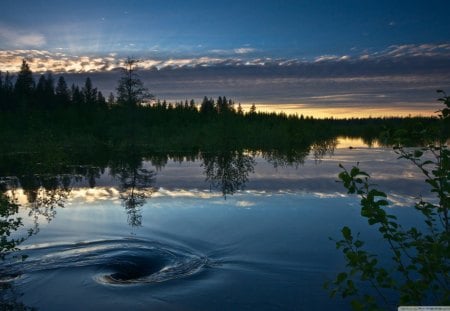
(9, 224)
(130, 90)
(228, 171)
(419, 270)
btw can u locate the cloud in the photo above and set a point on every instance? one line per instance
(417, 50)
(325, 58)
(21, 39)
(394, 60)
(244, 50)
(231, 52)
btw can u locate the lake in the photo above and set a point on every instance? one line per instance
(232, 230)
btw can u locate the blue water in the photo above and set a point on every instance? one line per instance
(187, 247)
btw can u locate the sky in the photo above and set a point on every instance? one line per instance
(320, 54)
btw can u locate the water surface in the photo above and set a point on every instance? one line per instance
(217, 231)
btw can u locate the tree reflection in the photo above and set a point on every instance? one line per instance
(227, 170)
(9, 223)
(9, 299)
(296, 157)
(283, 158)
(45, 193)
(136, 185)
(322, 148)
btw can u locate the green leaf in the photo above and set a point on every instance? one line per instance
(346, 233)
(354, 171)
(341, 277)
(358, 243)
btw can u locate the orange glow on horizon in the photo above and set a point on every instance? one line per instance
(343, 112)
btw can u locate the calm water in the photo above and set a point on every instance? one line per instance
(227, 231)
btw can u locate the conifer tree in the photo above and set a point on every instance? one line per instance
(24, 86)
(62, 92)
(89, 93)
(130, 90)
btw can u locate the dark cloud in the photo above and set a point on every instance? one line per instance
(400, 77)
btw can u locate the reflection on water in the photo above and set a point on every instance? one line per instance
(227, 171)
(36, 189)
(136, 185)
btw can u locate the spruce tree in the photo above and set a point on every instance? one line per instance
(62, 92)
(130, 90)
(24, 86)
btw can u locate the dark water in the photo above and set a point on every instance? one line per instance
(250, 232)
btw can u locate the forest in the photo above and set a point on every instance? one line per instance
(49, 114)
(54, 138)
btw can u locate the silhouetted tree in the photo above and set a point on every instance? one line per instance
(6, 92)
(24, 87)
(2, 92)
(131, 91)
(239, 110)
(224, 106)
(77, 96)
(207, 105)
(101, 101)
(89, 93)
(45, 92)
(40, 92)
(49, 91)
(111, 100)
(192, 105)
(62, 92)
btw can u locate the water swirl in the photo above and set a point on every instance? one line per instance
(119, 262)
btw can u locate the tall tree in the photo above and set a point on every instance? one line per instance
(49, 87)
(77, 96)
(130, 90)
(24, 86)
(89, 93)
(207, 105)
(111, 100)
(62, 92)
(39, 94)
(7, 93)
(2, 92)
(101, 100)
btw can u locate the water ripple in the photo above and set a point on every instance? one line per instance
(119, 262)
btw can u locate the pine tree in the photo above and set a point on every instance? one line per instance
(2, 93)
(49, 87)
(77, 96)
(111, 100)
(39, 93)
(207, 105)
(62, 92)
(101, 101)
(130, 90)
(7, 101)
(239, 110)
(24, 87)
(89, 93)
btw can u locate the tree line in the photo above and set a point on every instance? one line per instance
(23, 93)
(81, 116)
(48, 93)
